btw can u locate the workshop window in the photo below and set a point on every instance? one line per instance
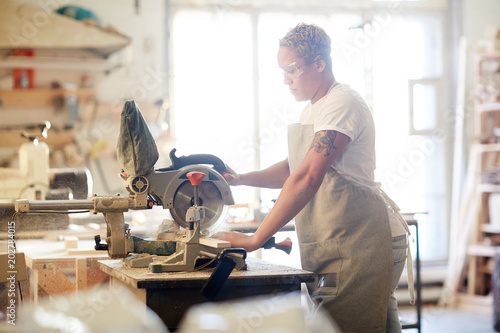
(212, 92)
(229, 98)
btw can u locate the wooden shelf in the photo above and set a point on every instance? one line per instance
(491, 229)
(12, 138)
(488, 188)
(66, 64)
(488, 56)
(487, 107)
(489, 147)
(482, 250)
(39, 97)
(484, 238)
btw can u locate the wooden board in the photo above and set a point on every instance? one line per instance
(215, 243)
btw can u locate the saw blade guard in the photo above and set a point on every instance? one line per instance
(214, 194)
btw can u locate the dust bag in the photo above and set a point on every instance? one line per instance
(136, 147)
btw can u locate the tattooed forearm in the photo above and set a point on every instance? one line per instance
(323, 142)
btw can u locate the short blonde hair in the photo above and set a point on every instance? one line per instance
(308, 41)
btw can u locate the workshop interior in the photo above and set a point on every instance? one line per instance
(120, 119)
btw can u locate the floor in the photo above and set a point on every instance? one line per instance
(438, 320)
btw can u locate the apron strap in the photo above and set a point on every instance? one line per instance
(409, 260)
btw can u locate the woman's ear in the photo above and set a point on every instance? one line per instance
(320, 64)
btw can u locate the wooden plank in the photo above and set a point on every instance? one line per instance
(54, 282)
(472, 275)
(215, 243)
(81, 274)
(459, 203)
(35, 289)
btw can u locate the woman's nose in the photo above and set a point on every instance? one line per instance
(287, 80)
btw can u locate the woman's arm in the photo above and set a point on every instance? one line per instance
(297, 191)
(272, 177)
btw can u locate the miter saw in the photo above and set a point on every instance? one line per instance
(197, 197)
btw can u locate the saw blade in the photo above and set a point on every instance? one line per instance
(210, 198)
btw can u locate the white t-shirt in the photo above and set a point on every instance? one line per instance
(343, 110)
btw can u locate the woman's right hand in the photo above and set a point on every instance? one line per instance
(238, 240)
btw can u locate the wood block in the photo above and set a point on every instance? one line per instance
(70, 242)
(215, 243)
(81, 273)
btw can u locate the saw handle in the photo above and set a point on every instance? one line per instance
(179, 162)
(285, 245)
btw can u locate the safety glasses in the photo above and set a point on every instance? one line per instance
(294, 71)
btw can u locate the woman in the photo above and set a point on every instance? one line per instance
(328, 186)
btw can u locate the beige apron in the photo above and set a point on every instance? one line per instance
(345, 239)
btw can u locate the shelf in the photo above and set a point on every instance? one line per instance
(482, 250)
(488, 56)
(486, 237)
(54, 31)
(487, 107)
(487, 188)
(66, 64)
(12, 138)
(39, 97)
(489, 147)
(492, 229)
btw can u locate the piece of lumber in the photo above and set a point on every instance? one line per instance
(215, 243)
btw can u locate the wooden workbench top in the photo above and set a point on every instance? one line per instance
(259, 272)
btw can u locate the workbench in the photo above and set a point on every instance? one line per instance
(171, 294)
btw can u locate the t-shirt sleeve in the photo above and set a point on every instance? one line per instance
(338, 114)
